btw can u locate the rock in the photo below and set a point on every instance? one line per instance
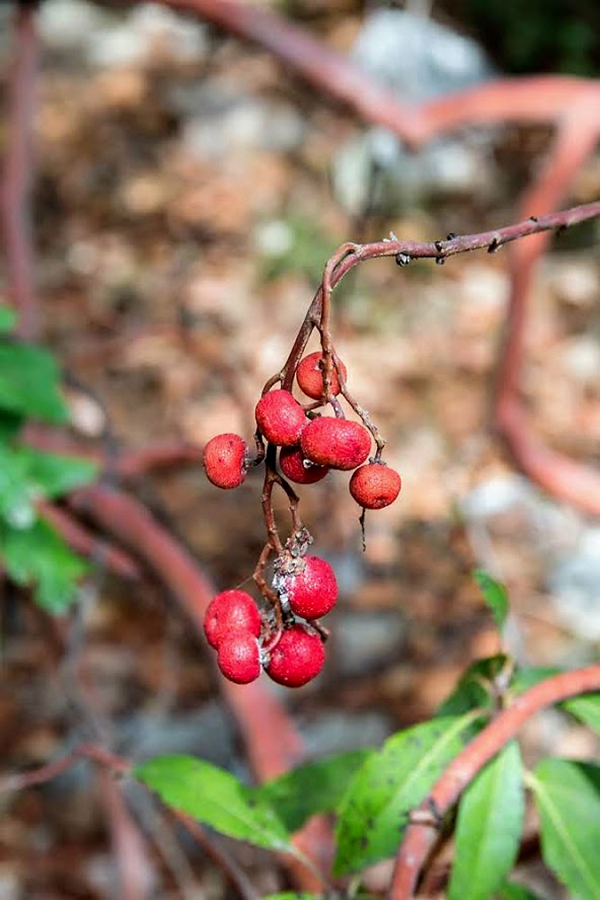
(418, 59)
(575, 585)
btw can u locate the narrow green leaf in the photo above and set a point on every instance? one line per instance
(494, 594)
(512, 891)
(374, 811)
(472, 690)
(567, 797)
(8, 319)
(53, 474)
(216, 798)
(489, 826)
(29, 382)
(586, 708)
(314, 788)
(39, 556)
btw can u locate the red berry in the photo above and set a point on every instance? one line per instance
(225, 460)
(375, 486)
(292, 462)
(239, 657)
(230, 611)
(338, 443)
(297, 658)
(313, 592)
(310, 376)
(280, 418)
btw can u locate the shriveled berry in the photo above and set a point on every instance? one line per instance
(338, 443)
(230, 611)
(239, 657)
(225, 460)
(298, 469)
(297, 658)
(280, 418)
(312, 593)
(309, 375)
(375, 485)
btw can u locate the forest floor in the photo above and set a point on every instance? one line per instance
(183, 214)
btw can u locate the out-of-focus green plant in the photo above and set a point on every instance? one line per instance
(31, 552)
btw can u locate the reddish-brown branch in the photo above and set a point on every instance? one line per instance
(88, 544)
(17, 172)
(128, 844)
(576, 139)
(534, 99)
(419, 838)
(163, 454)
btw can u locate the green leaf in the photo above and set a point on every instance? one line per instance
(489, 826)
(10, 425)
(292, 895)
(523, 679)
(8, 318)
(39, 556)
(494, 594)
(216, 798)
(29, 382)
(390, 783)
(586, 708)
(512, 891)
(16, 494)
(473, 688)
(55, 475)
(567, 797)
(317, 787)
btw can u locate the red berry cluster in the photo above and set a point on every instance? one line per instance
(285, 637)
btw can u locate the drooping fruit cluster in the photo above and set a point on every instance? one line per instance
(302, 446)
(242, 635)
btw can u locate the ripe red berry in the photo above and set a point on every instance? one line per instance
(292, 462)
(338, 443)
(280, 418)
(375, 486)
(225, 460)
(230, 611)
(312, 593)
(297, 658)
(310, 376)
(239, 657)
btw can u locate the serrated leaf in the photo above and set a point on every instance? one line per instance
(567, 797)
(494, 594)
(216, 798)
(374, 812)
(512, 891)
(314, 788)
(39, 556)
(489, 826)
(472, 690)
(586, 708)
(53, 474)
(8, 319)
(29, 382)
